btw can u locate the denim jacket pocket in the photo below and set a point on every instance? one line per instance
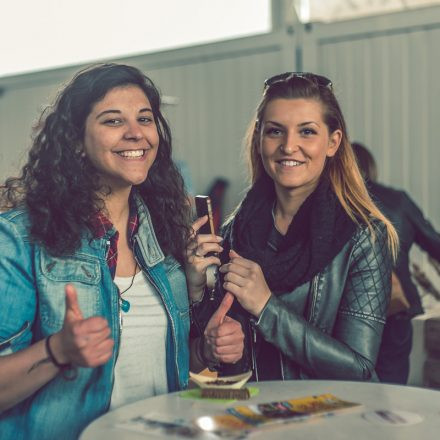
(14, 339)
(82, 272)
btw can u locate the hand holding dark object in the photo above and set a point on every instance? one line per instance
(245, 280)
(223, 336)
(197, 259)
(81, 342)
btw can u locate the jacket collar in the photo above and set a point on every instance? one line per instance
(146, 238)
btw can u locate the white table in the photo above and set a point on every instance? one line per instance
(347, 426)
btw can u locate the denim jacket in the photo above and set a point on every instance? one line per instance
(32, 306)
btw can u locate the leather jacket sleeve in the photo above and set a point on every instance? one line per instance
(425, 235)
(348, 348)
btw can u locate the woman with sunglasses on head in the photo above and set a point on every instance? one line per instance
(94, 304)
(307, 255)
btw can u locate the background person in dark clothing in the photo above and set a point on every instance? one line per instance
(412, 227)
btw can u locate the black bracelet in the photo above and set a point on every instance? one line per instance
(68, 371)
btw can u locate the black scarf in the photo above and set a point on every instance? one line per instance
(315, 236)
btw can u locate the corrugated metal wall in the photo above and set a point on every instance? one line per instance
(386, 72)
(217, 87)
(217, 95)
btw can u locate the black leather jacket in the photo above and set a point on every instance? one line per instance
(339, 333)
(412, 227)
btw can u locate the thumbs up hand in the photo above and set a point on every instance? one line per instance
(223, 337)
(81, 342)
(202, 251)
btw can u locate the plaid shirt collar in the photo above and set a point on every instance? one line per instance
(102, 226)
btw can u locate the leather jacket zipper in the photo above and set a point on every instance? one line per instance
(281, 365)
(314, 295)
(253, 355)
(253, 346)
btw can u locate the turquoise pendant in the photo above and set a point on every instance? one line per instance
(125, 305)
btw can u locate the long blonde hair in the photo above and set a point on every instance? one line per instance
(342, 169)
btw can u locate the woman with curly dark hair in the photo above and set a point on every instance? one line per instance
(100, 206)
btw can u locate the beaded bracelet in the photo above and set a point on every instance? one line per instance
(68, 371)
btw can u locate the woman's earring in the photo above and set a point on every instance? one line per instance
(80, 152)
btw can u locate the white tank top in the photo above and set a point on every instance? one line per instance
(140, 370)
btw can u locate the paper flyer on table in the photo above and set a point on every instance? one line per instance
(251, 418)
(240, 421)
(163, 426)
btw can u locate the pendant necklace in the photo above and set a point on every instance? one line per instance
(125, 305)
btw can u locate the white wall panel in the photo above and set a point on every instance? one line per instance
(217, 87)
(19, 111)
(386, 72)
(217, 99)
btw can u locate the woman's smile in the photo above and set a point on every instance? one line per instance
(132, 154)
(295, 143)
(121, 138)
(290, 163)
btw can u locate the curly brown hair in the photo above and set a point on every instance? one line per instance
(59, 186)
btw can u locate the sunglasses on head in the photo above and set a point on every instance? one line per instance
(317, 79)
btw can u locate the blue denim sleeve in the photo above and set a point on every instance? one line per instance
(18, 296)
